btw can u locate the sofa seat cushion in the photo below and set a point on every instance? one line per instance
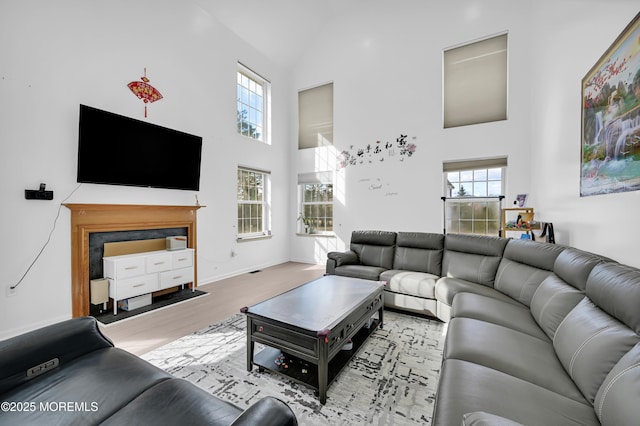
(419, 305)
(480, 418)
(516, 354)
(466, 387)
(447, 288)
(189, 406)
(108, 377)
(360, 271)
(420, 284)
(499, 312)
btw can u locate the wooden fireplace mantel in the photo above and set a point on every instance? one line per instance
(88, 218)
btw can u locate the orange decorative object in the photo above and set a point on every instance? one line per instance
(143, 90)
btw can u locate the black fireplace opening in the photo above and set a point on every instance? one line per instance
(96, 253)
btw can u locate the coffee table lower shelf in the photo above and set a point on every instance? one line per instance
(305, 372)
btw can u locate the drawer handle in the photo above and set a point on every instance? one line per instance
(177, 277)
(131, 267)
(182, 259)
(158, 263)
(139, 285)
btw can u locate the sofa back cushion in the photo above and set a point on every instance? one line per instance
(603, 327)
(374, 248)
(560, 292)
(524, 265)
(589, 342)
(419, 252)
(574, 266)
(615, 288)
(617, 399)
(473, 258)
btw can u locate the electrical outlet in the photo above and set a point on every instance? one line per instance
(11, 292)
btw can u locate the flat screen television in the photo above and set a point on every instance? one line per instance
(118, 150)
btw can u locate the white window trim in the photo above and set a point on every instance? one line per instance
(318, 177)
(302, 203)
(266, 207)
(266, 102)
(472, 165)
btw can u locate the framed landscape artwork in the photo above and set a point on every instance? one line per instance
(610, 154)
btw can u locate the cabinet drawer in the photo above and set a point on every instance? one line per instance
(176, 277)
(133, 286)
(158, 262)
(125, 268)
(182, 259)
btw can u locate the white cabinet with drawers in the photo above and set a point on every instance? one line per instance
(141, 273)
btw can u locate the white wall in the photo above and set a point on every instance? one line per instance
(386, 69)
(386, 65)
(57, 55)
(569, 39)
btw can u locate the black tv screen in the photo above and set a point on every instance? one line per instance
(118, 150)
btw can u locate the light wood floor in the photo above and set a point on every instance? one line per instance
(146, 332)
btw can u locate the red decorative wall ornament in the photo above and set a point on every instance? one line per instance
(143, 90)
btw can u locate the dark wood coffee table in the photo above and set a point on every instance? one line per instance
(304, 330)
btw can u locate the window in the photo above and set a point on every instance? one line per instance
(475, 183)
(253, 203)
(475, 82)
(317, 207)
(473, 195)
(253, 93)
(315, 117)
(315, 202)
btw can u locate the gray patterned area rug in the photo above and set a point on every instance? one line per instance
(391, 380)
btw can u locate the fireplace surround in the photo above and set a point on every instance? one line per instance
(87, 219)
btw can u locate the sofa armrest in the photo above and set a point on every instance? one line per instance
(344, 258)
(338, 258)
(331, 267)
(269, 411)
(480, 418)
(28, 355)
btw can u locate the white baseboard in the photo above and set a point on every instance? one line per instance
(306, 260)
(209, 280)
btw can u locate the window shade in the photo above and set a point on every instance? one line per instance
(253, 169)
(475, 82)
(485, 163)
(315, 177)
(315, 117)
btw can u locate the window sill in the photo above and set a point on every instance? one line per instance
(252, 238)
(325, 235)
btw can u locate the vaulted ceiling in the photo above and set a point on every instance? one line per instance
(280, 29)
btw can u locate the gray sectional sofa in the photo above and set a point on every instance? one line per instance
(538, 334)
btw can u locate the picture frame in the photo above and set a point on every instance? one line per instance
(610, 119)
